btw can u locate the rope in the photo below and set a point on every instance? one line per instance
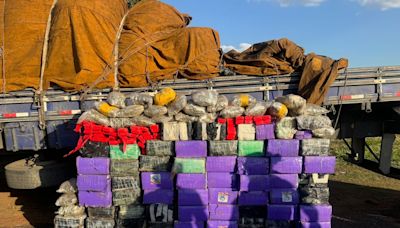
(116, 51)
(341, 101)
(3, 54)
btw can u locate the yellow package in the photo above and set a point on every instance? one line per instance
(106, 109)
(243, 100)
(278, 110)
(165, 96)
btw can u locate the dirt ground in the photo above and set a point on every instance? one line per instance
(360, 195)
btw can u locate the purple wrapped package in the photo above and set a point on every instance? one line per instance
(284, 196)
(315, 213)
(283, 180)
(191, 181)
(164, 196)
(222, 224)
(223, 212)
(95, 199)
(306, 134)
(255, 198)
(253, 165)
(266, 131)
(193, 213)
(222, 164)
(319, 164)
(157, 180)
(222, 196)
(93, 166)
(191, 149)
(283, 148)
(282, 212)
(286, 165)
(192, 197)
(189, 224)
(94, 183)
(315, 225)
(222, 180)
(254, 182)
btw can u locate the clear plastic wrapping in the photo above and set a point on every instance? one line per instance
(258, 109)
(313, 122)
(99, 222)
(243, 100)
(155, 163)
(205, 98)
(232, 111)
(106, 109)
(120, 122)
(194, 110)
(159, 148)
(315, 110)
(155, 110)
(222, 103)
(295, 103)
(70, 221)
(67, 199)
(278, 110)
(141, 99)
(68, 186)
(326, 132)
(116, 99)
(131, 111)
(162, 119)
(286, 128)
(208, 118)
(181, 117)
(94, 116)
(124, 197)
(142, 121)
(125, 183)
(131, 212)
(71, 210)
(177, 105)
(315, 147)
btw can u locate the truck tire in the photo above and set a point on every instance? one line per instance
(43, 174)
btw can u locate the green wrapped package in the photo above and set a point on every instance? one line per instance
(132, 152)
(251, 148)
(189, 165)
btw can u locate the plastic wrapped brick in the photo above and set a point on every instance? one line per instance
(124, 197)
(101, 212)
(193, 213)
(258, 109)
(232, 111)
(191, 149)
(106, 109)
(243, 100)
(221, 164)
(189, 165)
(222, 196)
(221, 224)
(222, 103)
(185, 118)
(284, 180)
(315, 110)
(94, 183)
(253, 165)
(156, 180)
(159, 148)
(120, 122)
(132, 152)
(280, 223)
(306, 134)
(155, 110)
(252, 216)
(223, 148)
(159, 213)
(71, 211)
(69, 221)
(314, 180)
(326, 132)
(251, 148)
(194, 110)
(131, 111)
(95, 199)
(93, 166)
(125, 183)
(222, 180)
(155, 163)
(125, 167)
(179, 224)
(265, 131)
(99, 222)
(286, 165)
(313, 195)
(315, 224)
(160, 225)
(315, 147)
(283, 148)
(284, 196)
(223, 212)
(277, 110)
(205, 98)
(254, 182)
(286, 128)
(213, 131)
(93, 149)
(208, 118)
(68, 186)
(296, 104)
(164, 97)
(170, 131)
(183, 131)
(192, 197)
(177, 105)
(141, 99)
(315, 213)
(282, 212)
(128, 223)
(164, 196)
(142, 121)
(66, 199)
(191, 181)
(319, 164)
(246, 132)
(199, 131)
(131, 211)
(253, 198)
(94, 116)
(116, 99)
(313, 122)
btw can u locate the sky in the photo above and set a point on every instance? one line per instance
(367, 32)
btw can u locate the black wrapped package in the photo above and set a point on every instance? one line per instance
(190, 130)
(130, 223)
(223, 148)
(155, 164)
(160, 225)
(197, 130)
(125, 183)
(252, 216)
(159, 148)
(95, 149)
(131, 211)
(212, 131)
(314, 195)
(100, 222)
(101, 212)
(222, 134)
(279, 224)
(126, 197)
(160, 213)
(124, 167)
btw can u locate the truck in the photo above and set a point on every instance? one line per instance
(364, 102)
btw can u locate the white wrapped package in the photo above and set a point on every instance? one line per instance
(313, 122)
(326, 132)
(155, 110)
(222, 103)
(315, 110)
(205, 98)
(286, 128)
(171, 131)
(194, 110)
(183, 131)
(295, 104)
(258, 109)
(177, 105)
(246, 132)
(232, 112)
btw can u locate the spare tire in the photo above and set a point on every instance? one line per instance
(19, 175)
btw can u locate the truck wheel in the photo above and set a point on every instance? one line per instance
(19, 175)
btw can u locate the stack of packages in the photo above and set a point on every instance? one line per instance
(69, 214)
(157, 183)
(94, 188)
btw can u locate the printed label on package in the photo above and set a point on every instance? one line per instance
(287, 197)
(223, 197)
(155, 178)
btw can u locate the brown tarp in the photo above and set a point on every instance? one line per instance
(284, 57)
(82, 38)
(23, 25)
(156, 45)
